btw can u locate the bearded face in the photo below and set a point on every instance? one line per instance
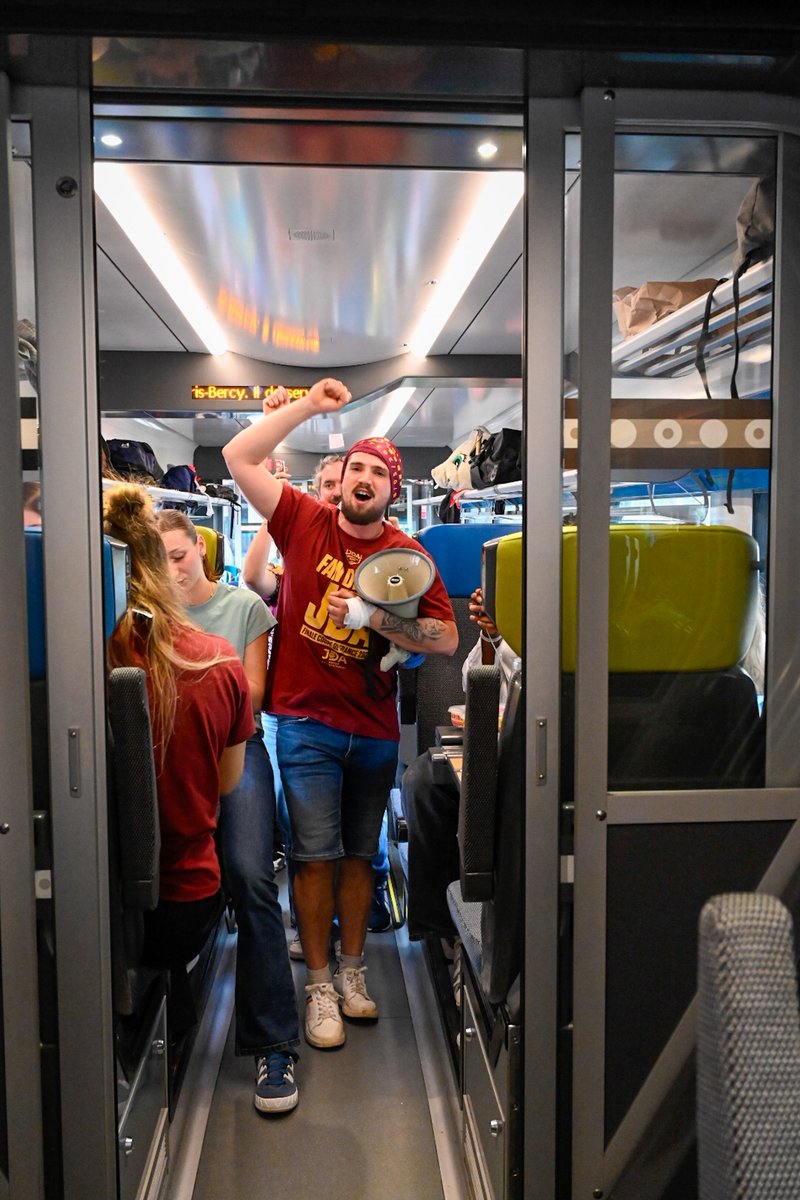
(366, 489)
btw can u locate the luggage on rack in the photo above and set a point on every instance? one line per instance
(134, 460)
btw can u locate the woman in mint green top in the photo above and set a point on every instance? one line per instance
(266, 1009)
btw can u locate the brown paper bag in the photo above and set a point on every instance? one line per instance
(639, 308)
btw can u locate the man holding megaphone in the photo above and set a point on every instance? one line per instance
(335, 706)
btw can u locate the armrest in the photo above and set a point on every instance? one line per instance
(476, 814)
(449, 735)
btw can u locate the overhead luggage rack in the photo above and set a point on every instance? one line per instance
(190, 498)
(668, 348)
(501, 491)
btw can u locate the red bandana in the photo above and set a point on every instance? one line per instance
(385, 450)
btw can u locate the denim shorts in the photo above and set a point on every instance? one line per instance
(337, 786)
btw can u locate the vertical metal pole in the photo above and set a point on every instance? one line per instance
(591, 682)
(544, 240)
(64, 248)
(23, 1112)
(783, 648)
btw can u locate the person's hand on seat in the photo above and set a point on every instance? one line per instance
(479, 615)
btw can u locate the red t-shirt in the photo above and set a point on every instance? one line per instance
(214, 711)
(317, 670)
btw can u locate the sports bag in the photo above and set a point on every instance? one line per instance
(180, 479)
(454, 471)
(497, 459)
(134, 460)
(755, 242)
(755, 225)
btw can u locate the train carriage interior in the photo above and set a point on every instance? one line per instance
(572, 314)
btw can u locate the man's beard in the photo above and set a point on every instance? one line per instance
(362, 514)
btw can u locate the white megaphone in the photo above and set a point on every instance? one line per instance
(395, 580)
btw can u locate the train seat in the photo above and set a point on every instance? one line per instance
(487, 911)
(682, 598)
(682, 713)
(215, 549)
(748, 1049)
(683, 607)
(34, 573)
(135, 838)
(456, 550)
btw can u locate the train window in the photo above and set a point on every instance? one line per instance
(690, 457)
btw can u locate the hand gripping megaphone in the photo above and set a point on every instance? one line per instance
(395, 580)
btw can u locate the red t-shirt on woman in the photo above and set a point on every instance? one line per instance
(214, 711)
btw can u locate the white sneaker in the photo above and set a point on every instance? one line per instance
(353, 996)
(324, 1026)
(296, 949)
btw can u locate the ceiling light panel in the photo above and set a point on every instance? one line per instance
(148, 227)
(317, 302)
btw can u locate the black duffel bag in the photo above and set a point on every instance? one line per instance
(134, 460)
(497, 459)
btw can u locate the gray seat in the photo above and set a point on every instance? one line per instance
(748, 1051)
(135, 835)
(485, 904)
(485, 901)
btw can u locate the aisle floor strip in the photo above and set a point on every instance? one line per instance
(437, 1073)
(188, 1128)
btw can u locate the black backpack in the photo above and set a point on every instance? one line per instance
(180, 479)
(134, 460)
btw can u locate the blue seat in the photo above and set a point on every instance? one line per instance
(457, 551)
(116, 571)
(34, 573)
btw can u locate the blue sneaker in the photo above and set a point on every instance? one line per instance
(276, 1090)
(380, 916)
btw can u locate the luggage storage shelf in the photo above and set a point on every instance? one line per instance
(668, 348)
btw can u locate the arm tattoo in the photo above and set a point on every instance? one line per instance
(416, 629)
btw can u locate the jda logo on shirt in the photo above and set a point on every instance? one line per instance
(339, 645)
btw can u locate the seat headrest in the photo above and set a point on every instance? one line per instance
(681, 597)
(215, 549)
(456, 550)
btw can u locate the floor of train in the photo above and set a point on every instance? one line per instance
(380, 1113)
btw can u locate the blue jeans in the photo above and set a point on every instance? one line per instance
(380, 862)
(281, 811)
(266, 1009)
(336, 785)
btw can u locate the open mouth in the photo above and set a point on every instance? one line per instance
(363, 494)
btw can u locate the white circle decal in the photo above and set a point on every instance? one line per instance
(623, 433)
(713, 434)
(668, 433)
(756, 433)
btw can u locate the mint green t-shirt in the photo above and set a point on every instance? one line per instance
(237, 614)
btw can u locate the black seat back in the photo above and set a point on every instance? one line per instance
(134, 836)
(479, 798)
(501, 918)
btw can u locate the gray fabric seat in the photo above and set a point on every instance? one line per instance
(135, 841)
(466, 916)
(748, 1051)
(485, 901)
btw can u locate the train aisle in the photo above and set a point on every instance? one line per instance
(365, 1122)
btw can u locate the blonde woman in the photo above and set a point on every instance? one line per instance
(201, 717)
(266, 1007)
